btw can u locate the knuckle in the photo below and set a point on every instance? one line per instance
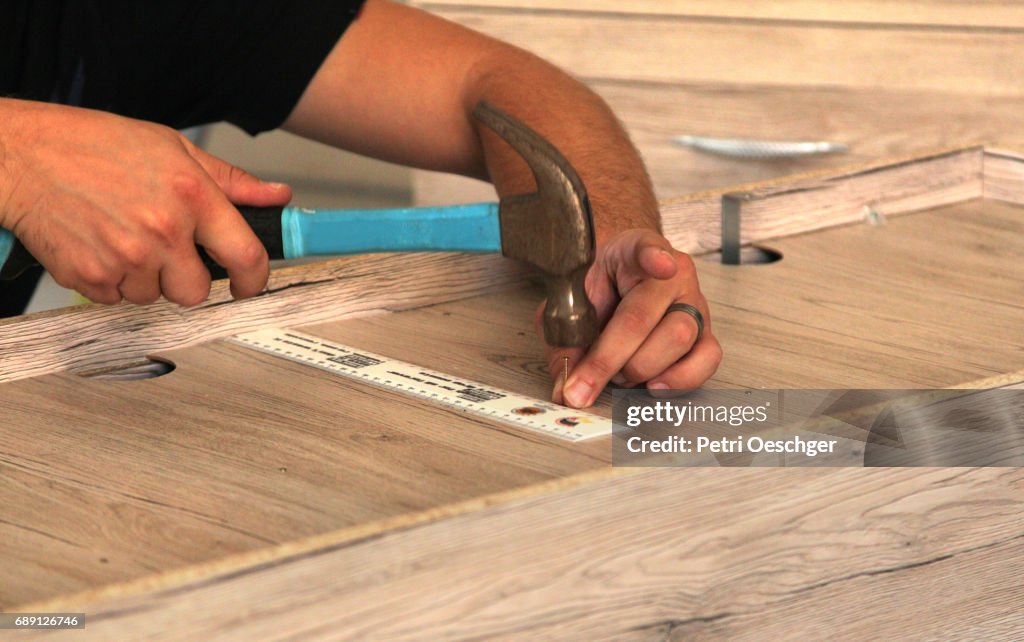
(187, 186)
(634, 322)
(94, 276)
(684, 333)
(237, 174)
(601, 366)
(134, 253)
(685, 262)
(251, 254)
(161, 226)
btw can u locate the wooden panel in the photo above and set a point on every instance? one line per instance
(697, 51)
(236, 451)
(875, 125)
(824, 199)
(896, 321)
(998, 14)
(634, 556)
(889, 306)
(233, 451)
(245, 496)
(53, 341)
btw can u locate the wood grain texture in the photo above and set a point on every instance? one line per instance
(247, 496)
(996, 14)
(95, 336)
(767, 71)
(1004, 176)
(875, 125)
(927, 300)
(235, 450)
(663, 554)
(819, 200)
(683, 50)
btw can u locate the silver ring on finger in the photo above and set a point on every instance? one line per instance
(693, 312)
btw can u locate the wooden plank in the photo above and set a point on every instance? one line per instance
(997, 14)
(823, 199)
(641, 48)
(234, 451)
(94, 336)
(658, 548)
(874, 124)
(970, 595)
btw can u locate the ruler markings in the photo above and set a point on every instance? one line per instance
(448, 390)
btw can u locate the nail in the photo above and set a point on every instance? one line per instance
(618, 379)
(657, 386)
(577, 393)
(558, 391)
(275, 185)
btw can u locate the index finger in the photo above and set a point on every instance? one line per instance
(636, 317)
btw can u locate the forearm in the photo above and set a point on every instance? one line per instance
(578, 123)
(401, 85)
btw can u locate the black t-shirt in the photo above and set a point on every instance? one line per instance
(179, 63)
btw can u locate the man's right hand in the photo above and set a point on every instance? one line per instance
(113, 207)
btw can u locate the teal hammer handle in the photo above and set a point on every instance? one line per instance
(294, 232)
(452, 228)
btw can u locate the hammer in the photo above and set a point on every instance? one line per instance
(551, 229)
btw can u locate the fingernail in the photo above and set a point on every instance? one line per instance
(618, 379)
(275, 185)
(657, 386)
(577, 393)
(667, 254)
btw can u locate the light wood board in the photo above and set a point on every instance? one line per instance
(683, 50)
(237, 451)
(642, 556)
(993, 14)
(873, 124)
(242, 494)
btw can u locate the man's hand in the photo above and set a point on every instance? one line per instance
(635, 278)
(113, 207)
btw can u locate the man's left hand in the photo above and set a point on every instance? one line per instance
(636, 276)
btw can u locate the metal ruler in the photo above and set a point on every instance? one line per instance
(433, 386)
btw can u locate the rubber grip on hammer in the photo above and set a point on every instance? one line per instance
(264, 221)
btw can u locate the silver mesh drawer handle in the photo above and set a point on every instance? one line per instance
(760, 149)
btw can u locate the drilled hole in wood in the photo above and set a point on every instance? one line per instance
(134, 370)
(750, 255)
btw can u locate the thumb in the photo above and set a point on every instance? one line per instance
(241, 187)
(561, 362)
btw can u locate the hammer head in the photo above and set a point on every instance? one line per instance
(551, 229)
